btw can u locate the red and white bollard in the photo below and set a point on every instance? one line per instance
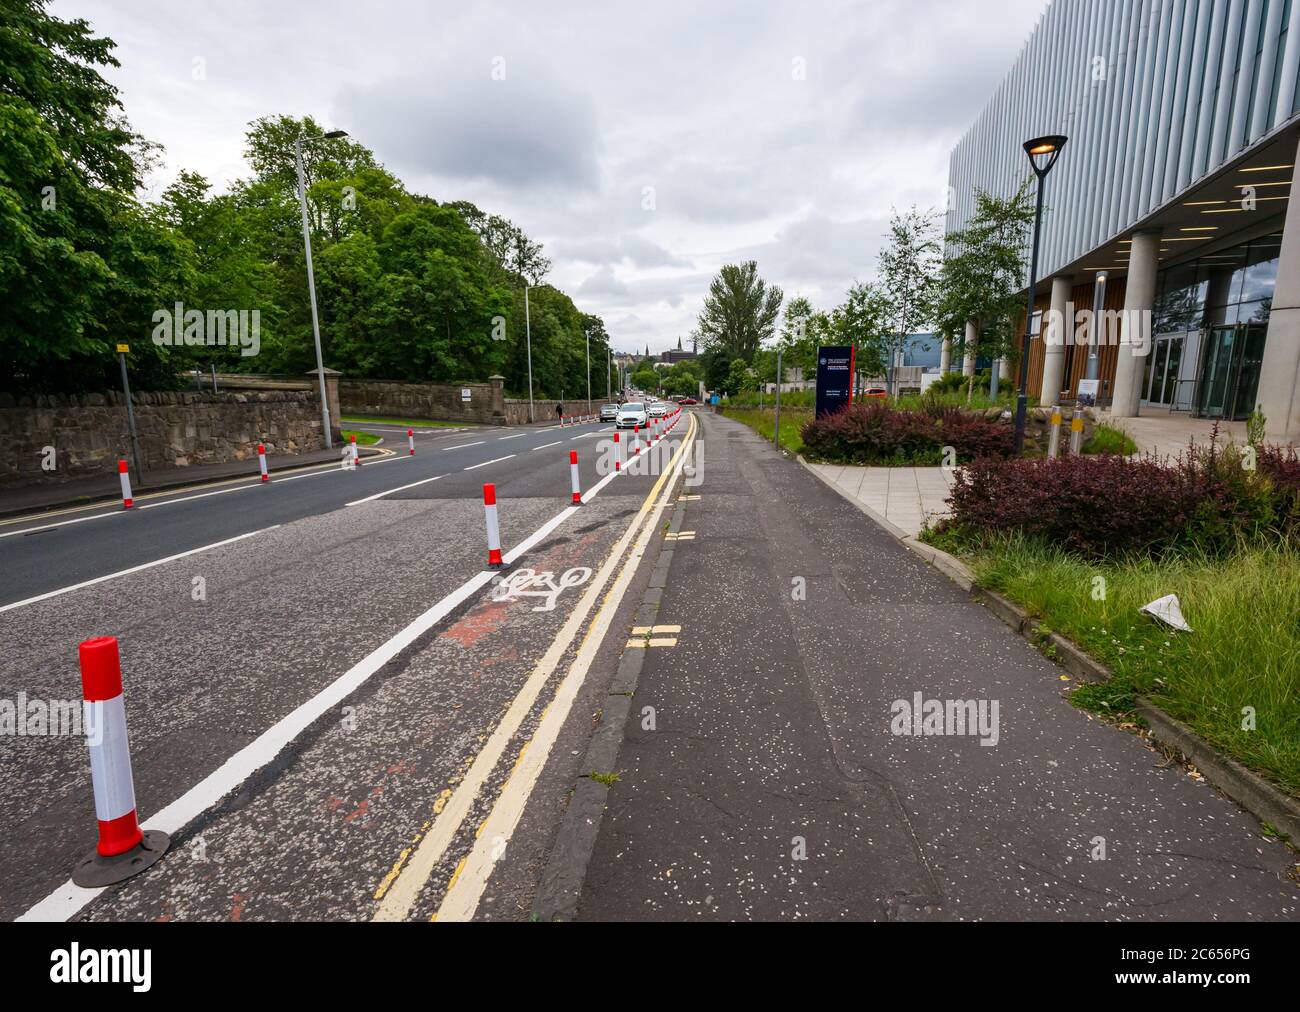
(636, 440)
(573, 477)
(410, 440)
(125, 475)
(123, 849)
(493, 530)
(261, 459)
(618, 454)
(356, 457)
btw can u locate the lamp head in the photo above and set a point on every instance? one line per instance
(336, 133)
(1044, 151)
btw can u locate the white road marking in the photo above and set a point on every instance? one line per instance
(201, 495)
(64, 523)
(400, 488)
(475, 467)
(547, 446)
(463, 445)
(515, 436)
(134, 569)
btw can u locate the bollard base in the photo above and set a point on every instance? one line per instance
(95, 871)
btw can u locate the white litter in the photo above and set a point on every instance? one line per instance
(1166, 609)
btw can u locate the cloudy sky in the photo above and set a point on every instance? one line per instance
(645, 144)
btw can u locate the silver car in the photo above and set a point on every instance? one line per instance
(609, 412)
(630, 414)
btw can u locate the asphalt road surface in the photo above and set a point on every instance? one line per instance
(320, 673)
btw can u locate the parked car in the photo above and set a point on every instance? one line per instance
(609, 412)
(689, 400)
(630, 414)
(876, 393)
(658, 409)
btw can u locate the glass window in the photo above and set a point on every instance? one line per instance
(1261, 270)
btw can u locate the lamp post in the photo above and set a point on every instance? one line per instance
(528, 337)
(1043, 153)
(311, 284)
(587, 335)
(609, 360)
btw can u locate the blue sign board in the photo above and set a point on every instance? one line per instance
(834, 379)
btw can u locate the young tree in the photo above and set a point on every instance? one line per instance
(909, 267)
(863, 321)
(740, 311)
(983, 273)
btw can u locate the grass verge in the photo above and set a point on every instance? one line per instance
(1108, 439)
(363, 438)
(410, 423)
(764, 423)
(1237, 667)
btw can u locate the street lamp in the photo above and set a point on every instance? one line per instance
(311, 283)
(587, 335)
(1043, 153)
(528, 337)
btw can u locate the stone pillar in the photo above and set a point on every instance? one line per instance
(1279, 378)
(972, 335)
(945, 356)
(498, 399)
(331, 399)
(1135, 332)
(1056, 330)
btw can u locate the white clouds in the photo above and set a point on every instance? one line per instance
(599, 101)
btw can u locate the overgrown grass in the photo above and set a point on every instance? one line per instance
(363, 438)
(410, 423)
(1108, 439)
(1244, 650)
(764, 423)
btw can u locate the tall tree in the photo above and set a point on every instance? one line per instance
(984, 271)
(863, 321)
(740, 311)
(909, 266)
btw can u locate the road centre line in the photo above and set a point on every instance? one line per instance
(463, 446)
(404, 883)
(475, 467)
(517, 435)
(400, 488)
(547, 446)
(67, 900)
(134, 569)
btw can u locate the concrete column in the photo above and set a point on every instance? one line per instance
(1279, 379)
(498, 399)
(945, 356)
(1057, 329)
(972, 335)
(1135, 332)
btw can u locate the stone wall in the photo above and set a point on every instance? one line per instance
(89, 431)
(544, 411)
(434, 401)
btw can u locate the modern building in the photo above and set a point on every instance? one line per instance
(1169, 200)
(674, 355)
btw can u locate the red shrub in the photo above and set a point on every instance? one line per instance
(876, 433)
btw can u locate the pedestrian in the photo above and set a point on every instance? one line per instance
(559, 411)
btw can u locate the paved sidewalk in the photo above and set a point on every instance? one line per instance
(908, 497)
(763, 774)
(1167, 434)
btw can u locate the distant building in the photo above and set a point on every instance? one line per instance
(674, 355)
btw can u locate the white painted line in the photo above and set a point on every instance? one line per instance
(515, 436)
(400, 488)
(134, 569)
(201, 495)
(463, 445)
(547, 446)
(475, 467)
(64, 523)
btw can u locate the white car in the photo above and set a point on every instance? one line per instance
(658, 409)
(630, 414)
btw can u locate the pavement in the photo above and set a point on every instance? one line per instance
(775, 785)
(1167, 434)
(327, 692)
(910, 498)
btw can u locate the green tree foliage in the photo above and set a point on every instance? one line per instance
(740, 311)
(407, 288)
(909, 265)
(984, 270)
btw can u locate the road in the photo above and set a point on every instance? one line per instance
(319, 672)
